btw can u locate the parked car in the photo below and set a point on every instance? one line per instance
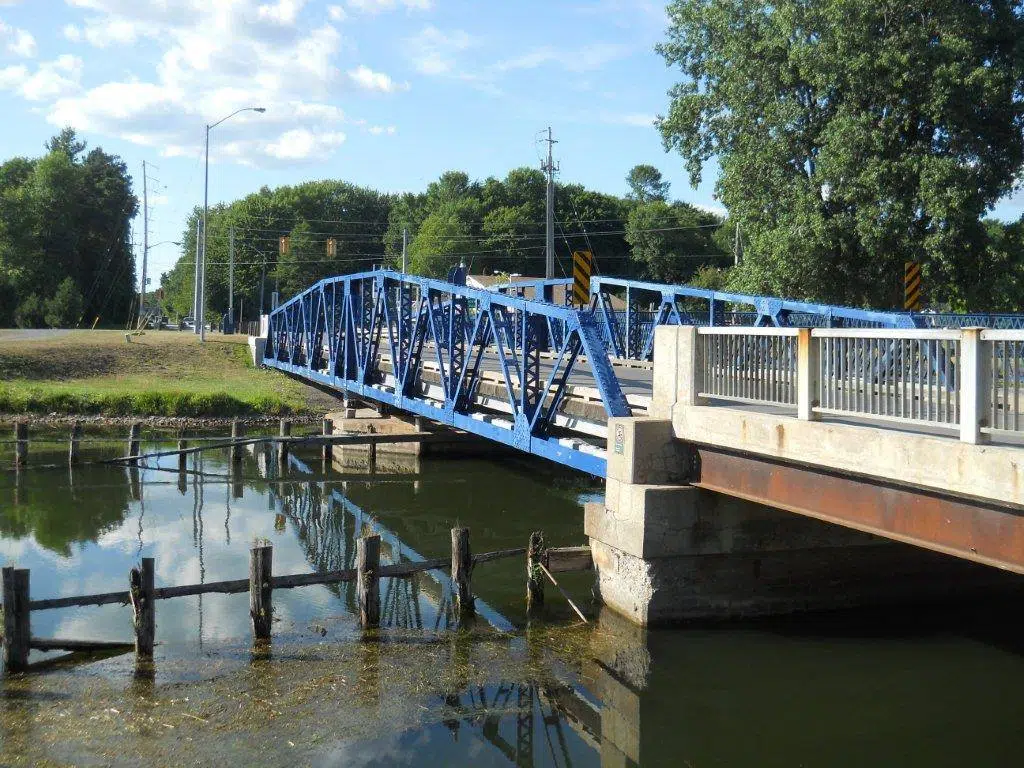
(186, 324)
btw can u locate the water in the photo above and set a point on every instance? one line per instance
(910, 687)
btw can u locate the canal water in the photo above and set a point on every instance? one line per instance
(913, 687)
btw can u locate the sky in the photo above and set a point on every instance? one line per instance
(384, 93)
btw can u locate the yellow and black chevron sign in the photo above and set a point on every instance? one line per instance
(912, 286)
(582, 267)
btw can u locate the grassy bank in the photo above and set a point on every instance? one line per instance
(161, 373)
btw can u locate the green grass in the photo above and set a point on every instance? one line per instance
(158, 374)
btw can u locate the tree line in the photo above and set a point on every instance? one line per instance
(495, 226)
(65, 242)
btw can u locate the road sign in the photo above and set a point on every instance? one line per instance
(912, 286)
(283, 245)
(582, 267)
(332, 247)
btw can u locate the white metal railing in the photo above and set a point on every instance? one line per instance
(966, 380)
(1004, 377)
(752, 365)
(891, 375)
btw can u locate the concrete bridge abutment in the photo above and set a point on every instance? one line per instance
(667, 552)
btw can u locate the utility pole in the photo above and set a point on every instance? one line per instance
(405, 241)
(198, 281)
(145, 239)
(263, 280)
(549, 249)
(231, 277)
(737, 247)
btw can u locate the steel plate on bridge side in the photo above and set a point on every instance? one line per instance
(970, 529)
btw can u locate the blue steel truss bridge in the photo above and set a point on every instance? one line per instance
(512, 366)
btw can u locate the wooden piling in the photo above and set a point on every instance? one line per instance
(17, 627)
(534, 575)
(73, 445)
(182, 456)
(260, 590)
(371, 458)
(282, 446)
(462, 570)
(142, 591)
(327, 450)
(20, 444)
(237, 433)
(368, 580)
(135, 441)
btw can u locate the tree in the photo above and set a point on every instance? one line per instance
(670, 241)
(645, 184)
(29, 313)
(852, 135)
(64, 310)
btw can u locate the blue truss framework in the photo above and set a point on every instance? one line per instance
(369, 334)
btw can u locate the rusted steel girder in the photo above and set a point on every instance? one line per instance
(970, 529)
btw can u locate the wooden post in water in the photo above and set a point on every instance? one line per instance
(143, 596)
(368, 580)
(17, 628)
(182, 456)
(260, 591)
(20, 444)
(135, 442)
(371, 458)
(462, 569)
(534, 575)
(73, 446)
(327, 449)
(237, 433)
(282, 447)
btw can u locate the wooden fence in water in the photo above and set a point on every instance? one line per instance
(142, 592)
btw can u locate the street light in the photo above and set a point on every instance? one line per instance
(200, 312)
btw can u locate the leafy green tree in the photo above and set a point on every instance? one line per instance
(441, 243)
(670, 241)
(29, 313)
(646, 184)
(852, 135)
(64, 310)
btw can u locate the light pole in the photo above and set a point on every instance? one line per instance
(146, 248)
(201, 272)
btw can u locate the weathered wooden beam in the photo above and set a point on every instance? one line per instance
(78, 646)
(462, 570)
(327, 450)
(564, 594)
(182, 455)
(142, 592)
(73, 445)
(563, 559)
(261, 590)
(237, 433)
(368, 580)
(17, 625)
(285, 430)
(20, 444)
(134, 443)
(534, 584)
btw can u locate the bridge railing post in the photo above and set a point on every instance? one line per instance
(808, 368)
(975, 385)
(690, 366)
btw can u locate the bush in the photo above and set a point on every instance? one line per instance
(65, 308)
(29, 313)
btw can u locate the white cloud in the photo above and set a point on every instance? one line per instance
(433, 51)
(51, 80)
(17, 41)
(302, 144)
(583, 59)
(336, 13)
(377, 6)
(281, 12)
(211, 59)
(366, 78)
(635, 119)
(378, 130)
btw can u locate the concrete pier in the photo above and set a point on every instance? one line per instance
(666, 551)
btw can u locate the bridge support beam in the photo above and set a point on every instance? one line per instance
(668, 551)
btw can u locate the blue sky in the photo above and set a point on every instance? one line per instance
(386, 93)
